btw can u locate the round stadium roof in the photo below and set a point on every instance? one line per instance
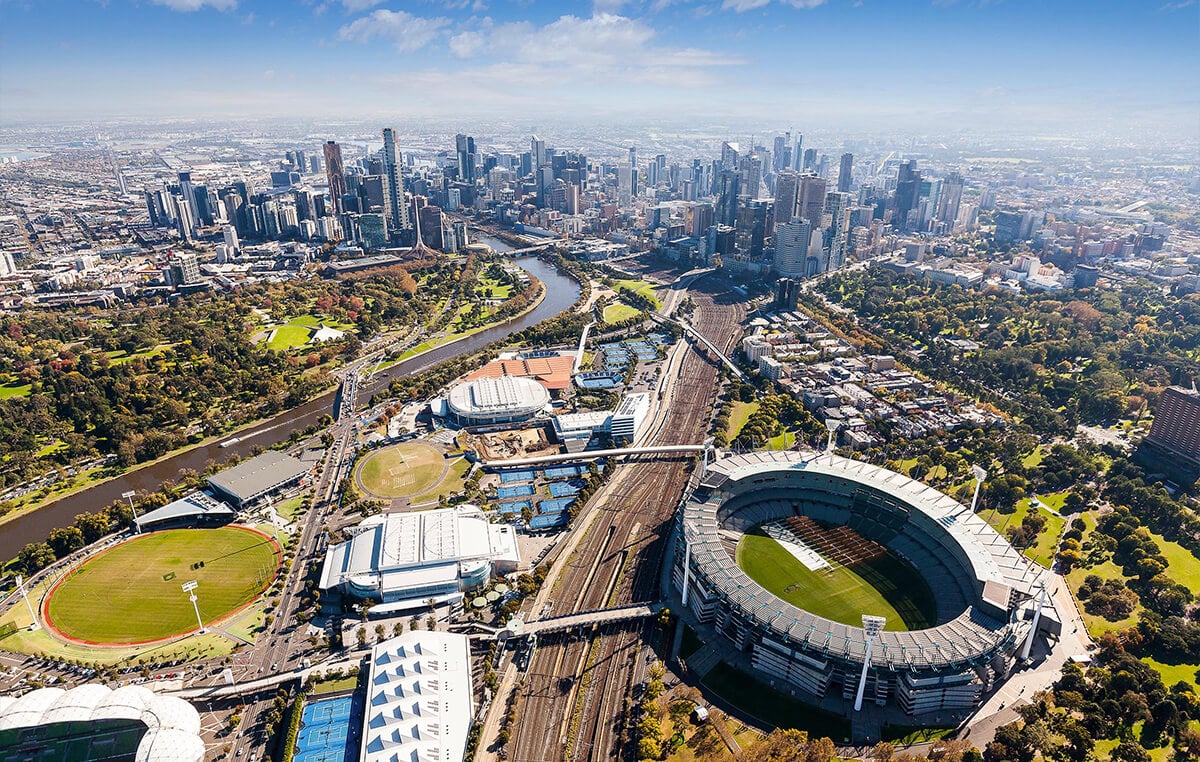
(498, 399)
(172, 724)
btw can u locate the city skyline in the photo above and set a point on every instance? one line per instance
(1116, 68)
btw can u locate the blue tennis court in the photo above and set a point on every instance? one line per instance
(548, 521)
(509, 509)
(324, 730)
(508, 477)
(563, 472)
(520, 490)
(562, 489)
(556, 505)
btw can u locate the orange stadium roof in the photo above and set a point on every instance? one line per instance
(550, 372)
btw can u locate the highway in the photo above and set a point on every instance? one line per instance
(573, 701)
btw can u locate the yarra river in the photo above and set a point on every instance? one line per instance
(561, 293)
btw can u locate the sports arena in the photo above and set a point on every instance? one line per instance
(784, 551)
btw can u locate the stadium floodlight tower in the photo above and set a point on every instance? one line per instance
(708, 453)
(980, 475)
(833, 430)
(1037, 619)
(190, 589)
(873, 626)
(25, 594)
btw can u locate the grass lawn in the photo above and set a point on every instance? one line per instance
(615, 313)
(497, 289)
(1173, 673)
(14, 389)
(132, 593)
(455, 481)
(289, 508)
(289, 336)
(907, 735)
(645, 288)
(771, 706)
(120, 356)
(402, 470)
(1041, 552)
(885, 587)
(1033, 459)
(781, 441)
(322, 687)
(738, 416)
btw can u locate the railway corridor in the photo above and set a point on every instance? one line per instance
(575, 699)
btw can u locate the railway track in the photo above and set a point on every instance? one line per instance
(575, 700)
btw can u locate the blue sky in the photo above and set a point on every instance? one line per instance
(938, 65)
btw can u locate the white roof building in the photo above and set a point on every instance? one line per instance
(419, 703)
(155, 728)
(416, 556)
(497, 400)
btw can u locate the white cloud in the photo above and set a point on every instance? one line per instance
(354, 6)
(467, 44)
(406, 31)
(743, 5)
(187, 6)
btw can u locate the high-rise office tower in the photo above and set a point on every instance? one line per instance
(751, 169)
(185, 217)
(798, 154)
(728, 188)
(465, 146)
(231, 238)
(395, 209)
(633, 156)
(777, 155)
(837, 209)
(791, 248)
(810, 199)
(729, 155)
(537, 152)
(787, 186)
(624, 184)
(751, 229)
(1173, 444)
(908, 184)
(810, 160)
(952, 188)
(845, 173)
(335, 173)
(187, 190)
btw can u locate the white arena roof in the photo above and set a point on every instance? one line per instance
(172, 724)
(396, 551)
(502, 398)
(419, 699)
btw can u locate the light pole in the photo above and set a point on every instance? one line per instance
(980, 475)
(873, 625)
(190, 589)
(833, 430)
(128, 495)
(24, 594)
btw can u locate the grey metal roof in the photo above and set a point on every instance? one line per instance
(258, 475)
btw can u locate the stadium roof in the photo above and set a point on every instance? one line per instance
(429, 544)
(192, 505)
(257, 476)
(172, 724)
(506, 395)
(419, 699)
(550, 372)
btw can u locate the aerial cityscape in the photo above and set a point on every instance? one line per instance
(633, 380)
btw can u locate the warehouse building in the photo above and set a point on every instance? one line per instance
(252, 480)
(402, 560)
(419, 703)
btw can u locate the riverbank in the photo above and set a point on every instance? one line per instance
(560, 292)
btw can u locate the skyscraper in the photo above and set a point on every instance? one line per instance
(395, 209)
(751, 169)
(778, 160)
(810, 199)
(1173, 444)
(908, 184)
(952, 188)
(791, 248)
(537, 152)
(837, 208)
(787, 185)
(728, 187)
(335, 173)
(845, 173)
(465, 146)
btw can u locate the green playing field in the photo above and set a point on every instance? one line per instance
(132, 593)
(884, 587)
(402, 470)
